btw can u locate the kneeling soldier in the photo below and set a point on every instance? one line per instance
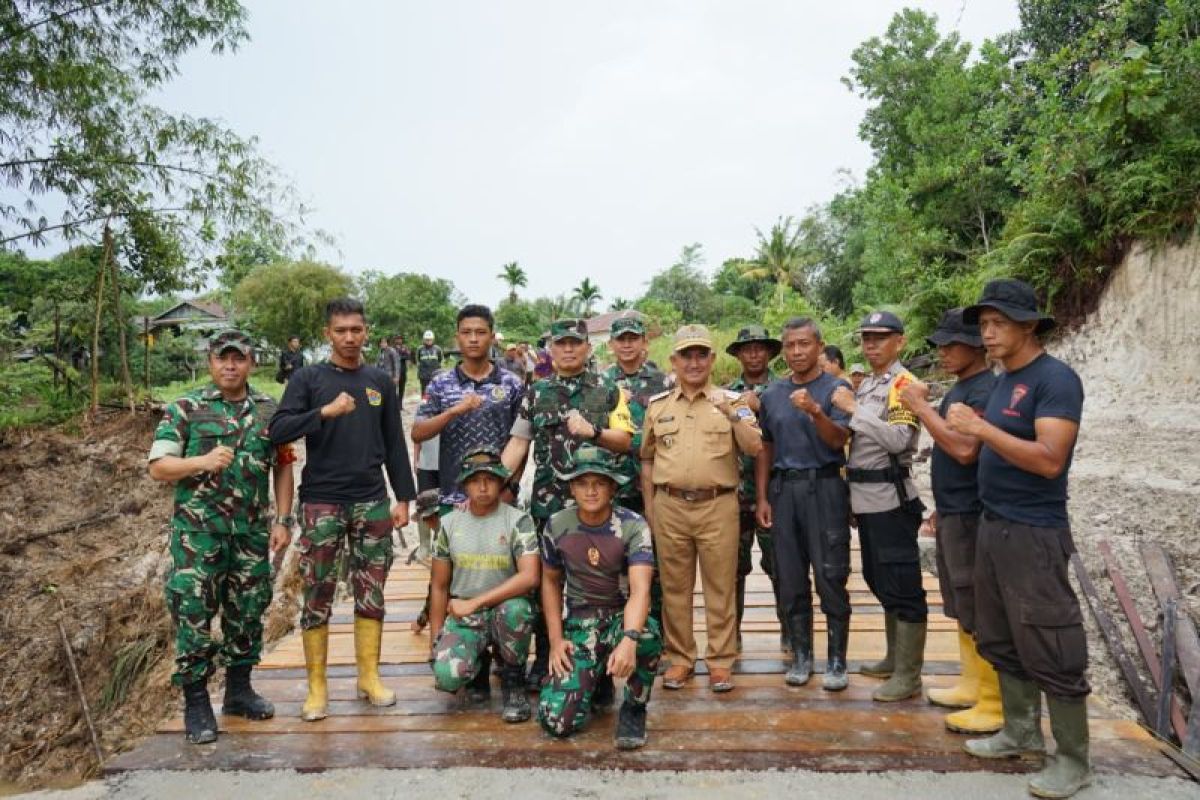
(485, 563)
(588, 547)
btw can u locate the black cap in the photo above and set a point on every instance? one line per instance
(951, 328)
(881, 322)
(1014, 299)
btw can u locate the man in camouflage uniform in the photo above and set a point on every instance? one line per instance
(212, 444)
(754, 349)
(560, 413)
(591, 548)
(640, 381)
(485, 564)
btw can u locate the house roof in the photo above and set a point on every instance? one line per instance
(212, 310)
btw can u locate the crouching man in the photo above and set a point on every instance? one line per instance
(586, 549)
(485, 564)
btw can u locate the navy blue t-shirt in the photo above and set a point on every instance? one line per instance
(955, 485)
(1045, 387)
(793, 435)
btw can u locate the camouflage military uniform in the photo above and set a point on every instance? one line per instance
(219, 529)
(367, 530)
(638, 387)
(748, 526)
(458, 651)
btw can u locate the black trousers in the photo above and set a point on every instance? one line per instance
(810, 529)
(892, 563)
(956, 536)
(1027, 618)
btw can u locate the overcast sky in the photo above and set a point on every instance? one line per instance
(580, 140)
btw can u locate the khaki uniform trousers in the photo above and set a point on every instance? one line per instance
(684, 532)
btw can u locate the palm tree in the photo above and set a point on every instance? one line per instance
(780, 256)
(586, 293)
(512, 274)
(620, 304)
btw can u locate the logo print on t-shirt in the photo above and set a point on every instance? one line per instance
(498, 393)
(1018, 394)
(593, 556)
(374, 397)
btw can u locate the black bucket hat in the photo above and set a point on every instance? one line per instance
(754, 333)
(1014, 299)
(951, 328)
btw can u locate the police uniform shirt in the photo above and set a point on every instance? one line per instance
(1045, 387)
(797, 445)
(692, 442)
(881, 426)
(956, 486)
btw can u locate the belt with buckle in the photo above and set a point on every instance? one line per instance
(695, 495)
(827, 471)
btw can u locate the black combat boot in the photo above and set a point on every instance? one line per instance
(631, 726)
(604, 693)
(540, 667)
(835, 679)
(479, 690)
(199, 722)
(800, 628)
(240, 698)
(516, 704)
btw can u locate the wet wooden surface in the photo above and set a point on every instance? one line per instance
(762, 724)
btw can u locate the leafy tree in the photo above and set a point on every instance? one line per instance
(586, 294)
(513, 275)
(283, 299)
(410, 304)
(620, 304)
(780, 256)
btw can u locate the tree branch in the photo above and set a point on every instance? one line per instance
(53, 18)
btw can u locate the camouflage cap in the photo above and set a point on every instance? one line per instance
(427, 503)
(568, 329)
(692, 336)
(754, 333)
(590, 459)
(483, 459)
(221, 341)
(857, 369)
(631, 324)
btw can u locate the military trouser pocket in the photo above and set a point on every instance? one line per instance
(837, 552)
(1055, 639)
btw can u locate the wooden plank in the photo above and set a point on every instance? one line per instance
(1143, 640)
(1113, 639)
(1161, 571)
(1166, 692)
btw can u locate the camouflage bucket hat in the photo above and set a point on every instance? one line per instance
(754, 333)
(427, 503)
(568, 329)
(590, 459)
(221, 341)
(627, 325)
(483, 459)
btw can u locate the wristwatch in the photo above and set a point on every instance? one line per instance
(596, 435)
(288, 520)
(632, 633)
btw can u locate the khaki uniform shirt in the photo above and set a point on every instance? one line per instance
(692, 442)
(881, 426)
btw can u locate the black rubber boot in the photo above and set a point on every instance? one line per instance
(605, 692)
(835, 679)
(516, 704)
(199, 722)
(479, 690)
(240, 698)
(631, 726)
(800, 629)
(540, 667)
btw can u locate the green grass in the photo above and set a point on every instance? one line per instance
(262, 379)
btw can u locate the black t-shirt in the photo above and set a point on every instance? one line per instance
(955, 485)
(343, 455)
(1045, 387)
(797, 445)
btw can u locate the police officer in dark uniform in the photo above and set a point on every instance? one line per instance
(1028, 622)
(806, 504)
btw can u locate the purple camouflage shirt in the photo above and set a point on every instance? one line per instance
(486, 426)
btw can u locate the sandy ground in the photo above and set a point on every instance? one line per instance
(420, 784)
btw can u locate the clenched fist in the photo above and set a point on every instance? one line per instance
(578, 426)
(843, 399)
(218, 459)
(962, 419)
(914, 394)
(339, 406)
(804, 401)
(469, 403)
(750, 398)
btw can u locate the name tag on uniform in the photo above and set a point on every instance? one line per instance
(666, 418)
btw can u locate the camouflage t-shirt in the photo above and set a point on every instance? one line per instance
(483, 551)
(595, 558)
(237, 499)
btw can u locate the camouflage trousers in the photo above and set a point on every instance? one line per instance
(366, 530)
(462, 642)
(211, 573)
(566, 702)
(749, 530)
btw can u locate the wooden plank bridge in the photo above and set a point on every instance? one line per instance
(762, 724)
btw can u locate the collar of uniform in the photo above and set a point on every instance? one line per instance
(740, 382)
(709, 392)
(578, 377)
(211, 392)
(493, 375)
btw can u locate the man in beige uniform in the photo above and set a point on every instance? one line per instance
(690, 447)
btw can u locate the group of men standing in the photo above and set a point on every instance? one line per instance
(638, 480)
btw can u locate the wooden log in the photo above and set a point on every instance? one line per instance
(70, 527)
(1191, 738)
(1187, 640)
(1121, 588)
(1112, 638)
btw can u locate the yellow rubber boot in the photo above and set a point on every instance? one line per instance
(986, 716)
(368, 637)
(965, 693)
(316, 651)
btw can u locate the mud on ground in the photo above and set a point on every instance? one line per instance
(103, 581)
